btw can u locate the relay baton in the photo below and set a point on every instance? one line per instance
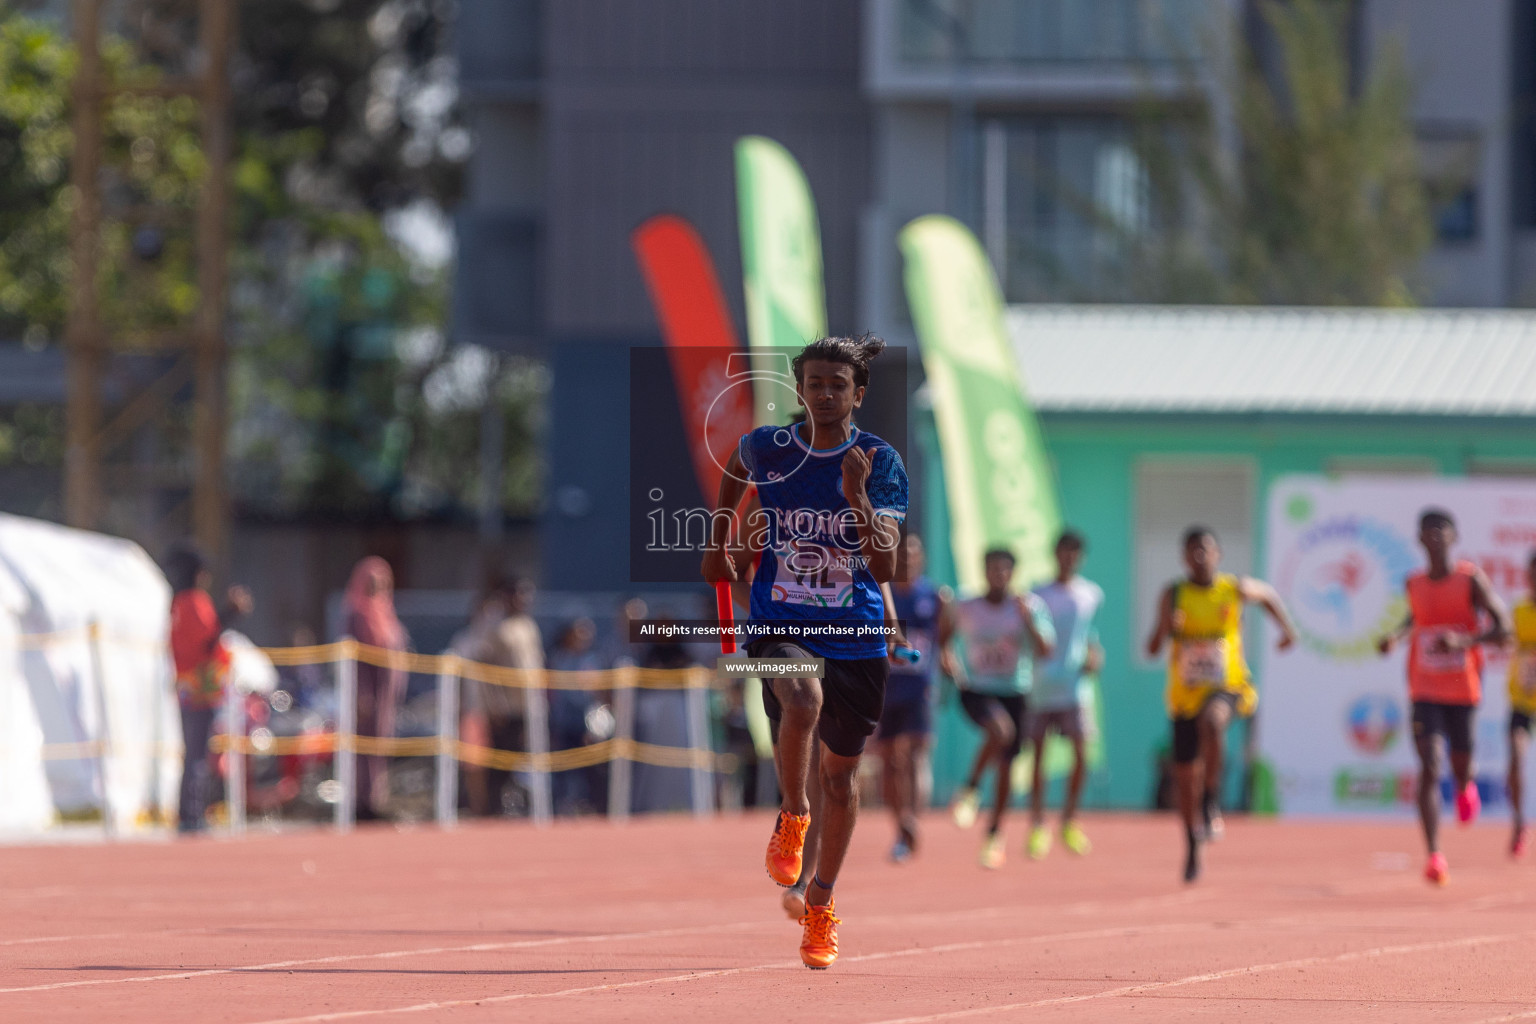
(726, 615)
(910, 655)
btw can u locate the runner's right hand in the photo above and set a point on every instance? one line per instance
(718, 565)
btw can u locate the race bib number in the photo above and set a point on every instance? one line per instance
(814, 574)
(1525, 671)
(993, 657)
(1203, 662)
(1433, 657)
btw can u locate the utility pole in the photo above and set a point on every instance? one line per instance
(197, 352)
(82, 330)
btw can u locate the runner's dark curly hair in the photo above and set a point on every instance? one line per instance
(854, 352)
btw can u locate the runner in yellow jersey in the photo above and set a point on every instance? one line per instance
(1208, 678)
(1522, 704)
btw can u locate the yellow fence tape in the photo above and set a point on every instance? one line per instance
(695, 678)
(597, 680)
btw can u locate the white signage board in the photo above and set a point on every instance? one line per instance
(1334, 715)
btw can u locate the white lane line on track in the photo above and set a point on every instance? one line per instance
(479, 947)
(1232, 972)
(953, 947)
(1518, 1015)
(102, 935)
(495, 947)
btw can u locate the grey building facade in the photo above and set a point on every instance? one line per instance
(591, 115)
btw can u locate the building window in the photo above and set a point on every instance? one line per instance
(1456, 217)
(1449, 159)
(1012, 32)
(1171, 496)
(1066, 202)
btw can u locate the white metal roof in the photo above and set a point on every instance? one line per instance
(1245, 359)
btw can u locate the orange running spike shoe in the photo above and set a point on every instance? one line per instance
(786, 846)
(818, 948)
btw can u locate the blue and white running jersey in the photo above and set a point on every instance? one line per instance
(812, 569)
(917, 607)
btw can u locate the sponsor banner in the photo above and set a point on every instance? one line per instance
(996, 475)
(780, 262)
(1334, 716)
(696, 324)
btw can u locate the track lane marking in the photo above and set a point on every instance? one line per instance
(953, 947)
(103, 935)
(1231, 972)
(1086, 906)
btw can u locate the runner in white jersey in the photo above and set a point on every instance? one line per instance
(1001, 634)
(1060, 692)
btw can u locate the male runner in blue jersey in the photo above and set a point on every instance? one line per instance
(834, 498)
(925, 612)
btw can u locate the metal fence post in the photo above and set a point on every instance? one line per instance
(620, 768)
(701, 771)
(346, 736)
(234, 754)
(448, 742)
(104, 740)
(536, 724)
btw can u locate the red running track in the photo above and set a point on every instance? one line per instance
(673, 919)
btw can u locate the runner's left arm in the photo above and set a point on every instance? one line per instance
(1037, 623)
(1484, 599)
(949, 665)
(1258, 592)
(875, 487)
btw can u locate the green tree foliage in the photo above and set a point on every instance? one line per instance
(152, 155)
(346, 398)
(1321, 204)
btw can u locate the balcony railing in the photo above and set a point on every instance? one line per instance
(1002, 33)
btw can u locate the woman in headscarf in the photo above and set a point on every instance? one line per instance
(371, 620)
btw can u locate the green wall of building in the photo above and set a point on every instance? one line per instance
(1097, 458)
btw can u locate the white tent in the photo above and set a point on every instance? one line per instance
(88, 721)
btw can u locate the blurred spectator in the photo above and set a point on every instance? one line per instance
(507, 637)
(740, 789)
(469, 643)
(666, 653)
(305, 683)
(202, 669)
(618, 650)
(574, 790)
(371, 620)
(661, 717)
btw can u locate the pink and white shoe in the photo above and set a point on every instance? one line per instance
(1519, 843)
(1437, 871)
(1468, 803)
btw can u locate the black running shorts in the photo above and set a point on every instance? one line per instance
(1453, 721)
(1186, 731)
(852, 696)
(982, 707)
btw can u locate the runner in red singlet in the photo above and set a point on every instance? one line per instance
(1448, 605)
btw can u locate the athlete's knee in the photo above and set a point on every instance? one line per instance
(837, 781)
(800, 698)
